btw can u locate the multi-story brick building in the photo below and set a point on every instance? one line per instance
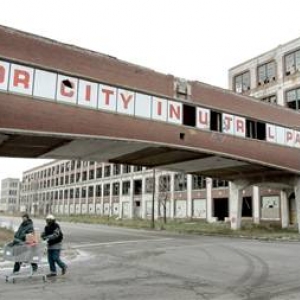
(10, 188)
(79, 187)
(272, 77)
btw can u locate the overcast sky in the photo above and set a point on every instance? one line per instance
(194, 39)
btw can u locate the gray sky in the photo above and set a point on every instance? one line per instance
(194, 39)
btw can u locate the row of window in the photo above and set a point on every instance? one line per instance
(163, 185)
(92, 173)
(292, 99)
(266, 72)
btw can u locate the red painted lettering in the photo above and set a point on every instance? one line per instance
(240, 126)
(174, 111)
(270, 135)
(66, 91)
(227, 122)
(297, 138)
(159, 108)
(88, 93)
(126, 100)
(21, 77)
(2, 74)
(107, 93)
(289, 136)
(203, 117)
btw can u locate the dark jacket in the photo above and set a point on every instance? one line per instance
(52, 233)
(24, 228)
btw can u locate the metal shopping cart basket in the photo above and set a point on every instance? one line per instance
(26, 254)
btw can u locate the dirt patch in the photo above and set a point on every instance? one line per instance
(6, 235)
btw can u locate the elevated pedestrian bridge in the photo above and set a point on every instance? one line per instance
(63, 102)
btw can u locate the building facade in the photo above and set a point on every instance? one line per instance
(272, 77)
(10, 189)
(81, 187)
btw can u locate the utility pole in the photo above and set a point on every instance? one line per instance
(153, 201)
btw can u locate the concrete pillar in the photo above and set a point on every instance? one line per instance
(297, 200)
(102, 200)
(209, 204)
(131, 204)
(189, 204)
(172, 204)
(285, 220)
(120, 198)
(256, 205)
(110, 213)
(235, 205)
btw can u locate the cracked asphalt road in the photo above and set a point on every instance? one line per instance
(120, 263)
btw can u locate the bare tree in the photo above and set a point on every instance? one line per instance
(164, 193)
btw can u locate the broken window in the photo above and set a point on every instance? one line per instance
(137, 187)
(106, 189)
(266, 73)
(242, 82)
(126, 188)
(270, 99)
(180, 182)
(292, 62)
(116, 189)
(215, 121)
(189, 115)
(199, 182)
(293, 99)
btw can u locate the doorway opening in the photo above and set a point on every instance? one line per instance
(220, 208)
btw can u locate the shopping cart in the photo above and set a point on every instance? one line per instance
(26, 254)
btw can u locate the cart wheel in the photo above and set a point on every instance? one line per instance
(13, 280)
(44, 278)
(6, 278)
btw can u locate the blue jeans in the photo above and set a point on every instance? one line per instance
(54, 258)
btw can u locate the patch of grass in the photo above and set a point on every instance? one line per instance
(264, 231)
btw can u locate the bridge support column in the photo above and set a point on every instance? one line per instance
(209, 207)
(297, 199)
(235, 196)
(172, 196)
(256, 205)
(285, 220)
(189, 204)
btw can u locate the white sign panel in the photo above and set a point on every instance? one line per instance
(125, 102)
(239, 126)
(4, 72)
(107, 97)
(159, 109)
(271, 133)
(290, 137)
(228, 123)
(67, 89)
(21, 79)
(88, 94)
(280, 135)
(174, 112)
(202, 118)
(45, 84)
(142, 106)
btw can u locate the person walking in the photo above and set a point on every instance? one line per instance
(54, 237)
(25, 228)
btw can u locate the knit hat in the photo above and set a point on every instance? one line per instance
(50, 217)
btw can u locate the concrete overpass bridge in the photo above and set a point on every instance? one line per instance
(63, 102)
